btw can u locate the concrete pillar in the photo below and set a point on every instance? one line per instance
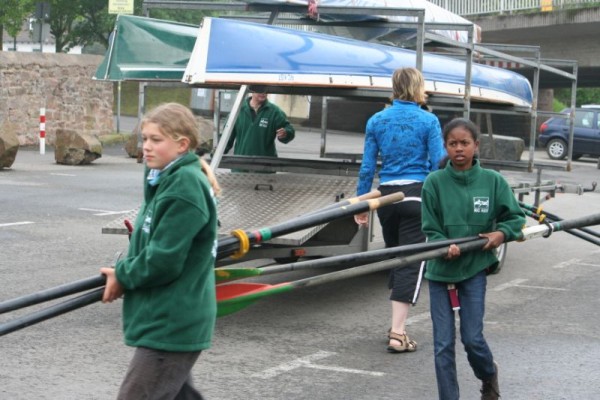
(545, 99)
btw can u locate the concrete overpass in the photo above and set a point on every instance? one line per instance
(567, 34)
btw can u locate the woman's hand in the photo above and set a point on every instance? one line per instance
(362, 219)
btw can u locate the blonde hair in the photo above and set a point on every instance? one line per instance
(409, 85)
(176, 121)
(212, 179)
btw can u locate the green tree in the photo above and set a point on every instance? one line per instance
(12, 16)
(63, 15)
(584, 96)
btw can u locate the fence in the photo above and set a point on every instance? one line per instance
(482, 7)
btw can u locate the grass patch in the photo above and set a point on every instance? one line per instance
(115, 138)
(155, 95)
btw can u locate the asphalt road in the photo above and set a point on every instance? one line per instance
(323, 342)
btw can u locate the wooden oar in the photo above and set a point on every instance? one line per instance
(232, 273)
(226, 246)
(231, 245)
(236, 296)
(233, 297)
(330, 213)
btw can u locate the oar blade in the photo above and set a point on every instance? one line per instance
(233, 297)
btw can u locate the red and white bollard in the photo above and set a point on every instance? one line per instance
(42, 131)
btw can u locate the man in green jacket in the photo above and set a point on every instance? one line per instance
(259, 123)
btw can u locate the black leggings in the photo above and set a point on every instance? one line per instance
(401, 225)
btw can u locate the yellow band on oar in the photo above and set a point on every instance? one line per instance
(244, 243)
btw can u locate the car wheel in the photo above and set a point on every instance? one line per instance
(556, 149)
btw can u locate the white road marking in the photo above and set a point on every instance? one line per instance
(510, 284)
(16, 223)
(541, 287)
(518, 283)
(589, 264)
(105, 212)
(306, 362)
(58, 174)
(566, 263)
(575, 261)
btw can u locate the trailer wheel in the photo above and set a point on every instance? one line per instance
(501, 254)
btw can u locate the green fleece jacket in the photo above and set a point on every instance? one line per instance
(465, 203)
(168, 274)
(254, 134)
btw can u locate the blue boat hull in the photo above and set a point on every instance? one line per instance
(236, 52)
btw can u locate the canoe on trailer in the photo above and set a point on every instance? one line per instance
(237, 52)
(147, 49)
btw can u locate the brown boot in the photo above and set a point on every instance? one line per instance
(489, 387)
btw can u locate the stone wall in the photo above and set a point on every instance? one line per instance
(62, 83)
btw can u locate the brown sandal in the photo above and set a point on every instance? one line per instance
(406, 344)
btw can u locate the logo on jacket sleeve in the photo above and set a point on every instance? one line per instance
(481, 204)
(147, 222)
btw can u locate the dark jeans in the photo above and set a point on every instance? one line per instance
(159, 375)
(471, 295)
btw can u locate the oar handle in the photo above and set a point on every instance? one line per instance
(52, 293)
(52, 311)
(392, 198)
(353, 200)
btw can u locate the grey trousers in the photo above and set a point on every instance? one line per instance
(160, 375)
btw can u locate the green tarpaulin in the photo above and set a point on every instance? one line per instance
(147, 49)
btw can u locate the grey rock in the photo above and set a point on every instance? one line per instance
(500, 147)
(9, 144)
(76, 148)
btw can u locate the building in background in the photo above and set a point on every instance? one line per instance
(30, 40)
